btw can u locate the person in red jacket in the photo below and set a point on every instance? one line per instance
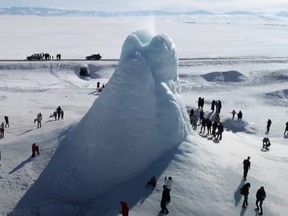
(124, 208)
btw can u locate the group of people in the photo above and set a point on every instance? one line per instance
(244, 190)
(58, 113)
(216, 104)
(214, 127)
(165, 199)
(58, 56)
(239, 115)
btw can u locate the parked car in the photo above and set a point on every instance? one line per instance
(94, 57)
(35, 57)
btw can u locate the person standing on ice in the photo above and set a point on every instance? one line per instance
(209, 125)
(269, 122)
(98, 86)
(213, 105)
(193, 121)
(2, 130)
(191, 113)
(260, 197)
(203, 125)
(233, 113)
(202, 103)
(286, 129)
(240, 115)
(214, 127)
(246, 167)
(245, 192)
(164, 200)
(39, 120)
(219, 107)
(199, 102)
(168, 183)
(220, 131)
(6, 121)
(124, 208)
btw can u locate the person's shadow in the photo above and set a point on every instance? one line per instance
(21, 164)
(237, 195)
(242, 212)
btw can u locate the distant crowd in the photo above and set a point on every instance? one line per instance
(57, 115)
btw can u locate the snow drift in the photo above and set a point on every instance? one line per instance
(144, 112)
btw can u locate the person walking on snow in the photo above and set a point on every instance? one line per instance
(35, 149)
(260, 197)
(269, 122)
(124, 208)
(246, 167)
(245, 192)
(6, 121)
(164, 200)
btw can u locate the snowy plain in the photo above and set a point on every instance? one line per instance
(241, 61)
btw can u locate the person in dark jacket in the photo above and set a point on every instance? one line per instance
(219, 107)
(124, 208)
(269, 122)
(260, 197)
(165, 199)
(35, 149)
(233, 113)
(191, 113)
(266, 143)
(286, 129)
(6, 121)
(202, 103)
(214, 127)
(58, 112)
(220, 131)
(201, 115)
(245, 191)
(203, 125)
(213, 105)
(240, 115)
(246, 167)
(199, 102)
(209, 125)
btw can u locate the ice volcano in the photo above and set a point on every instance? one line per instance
(138, 116)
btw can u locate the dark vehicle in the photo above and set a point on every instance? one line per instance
(94, 57)
(35, 57)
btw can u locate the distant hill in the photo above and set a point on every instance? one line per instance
(39, 11)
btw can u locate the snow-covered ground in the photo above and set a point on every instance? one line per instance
(207, 174)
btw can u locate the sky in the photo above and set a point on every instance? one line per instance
(93, 149)
(124, 5)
